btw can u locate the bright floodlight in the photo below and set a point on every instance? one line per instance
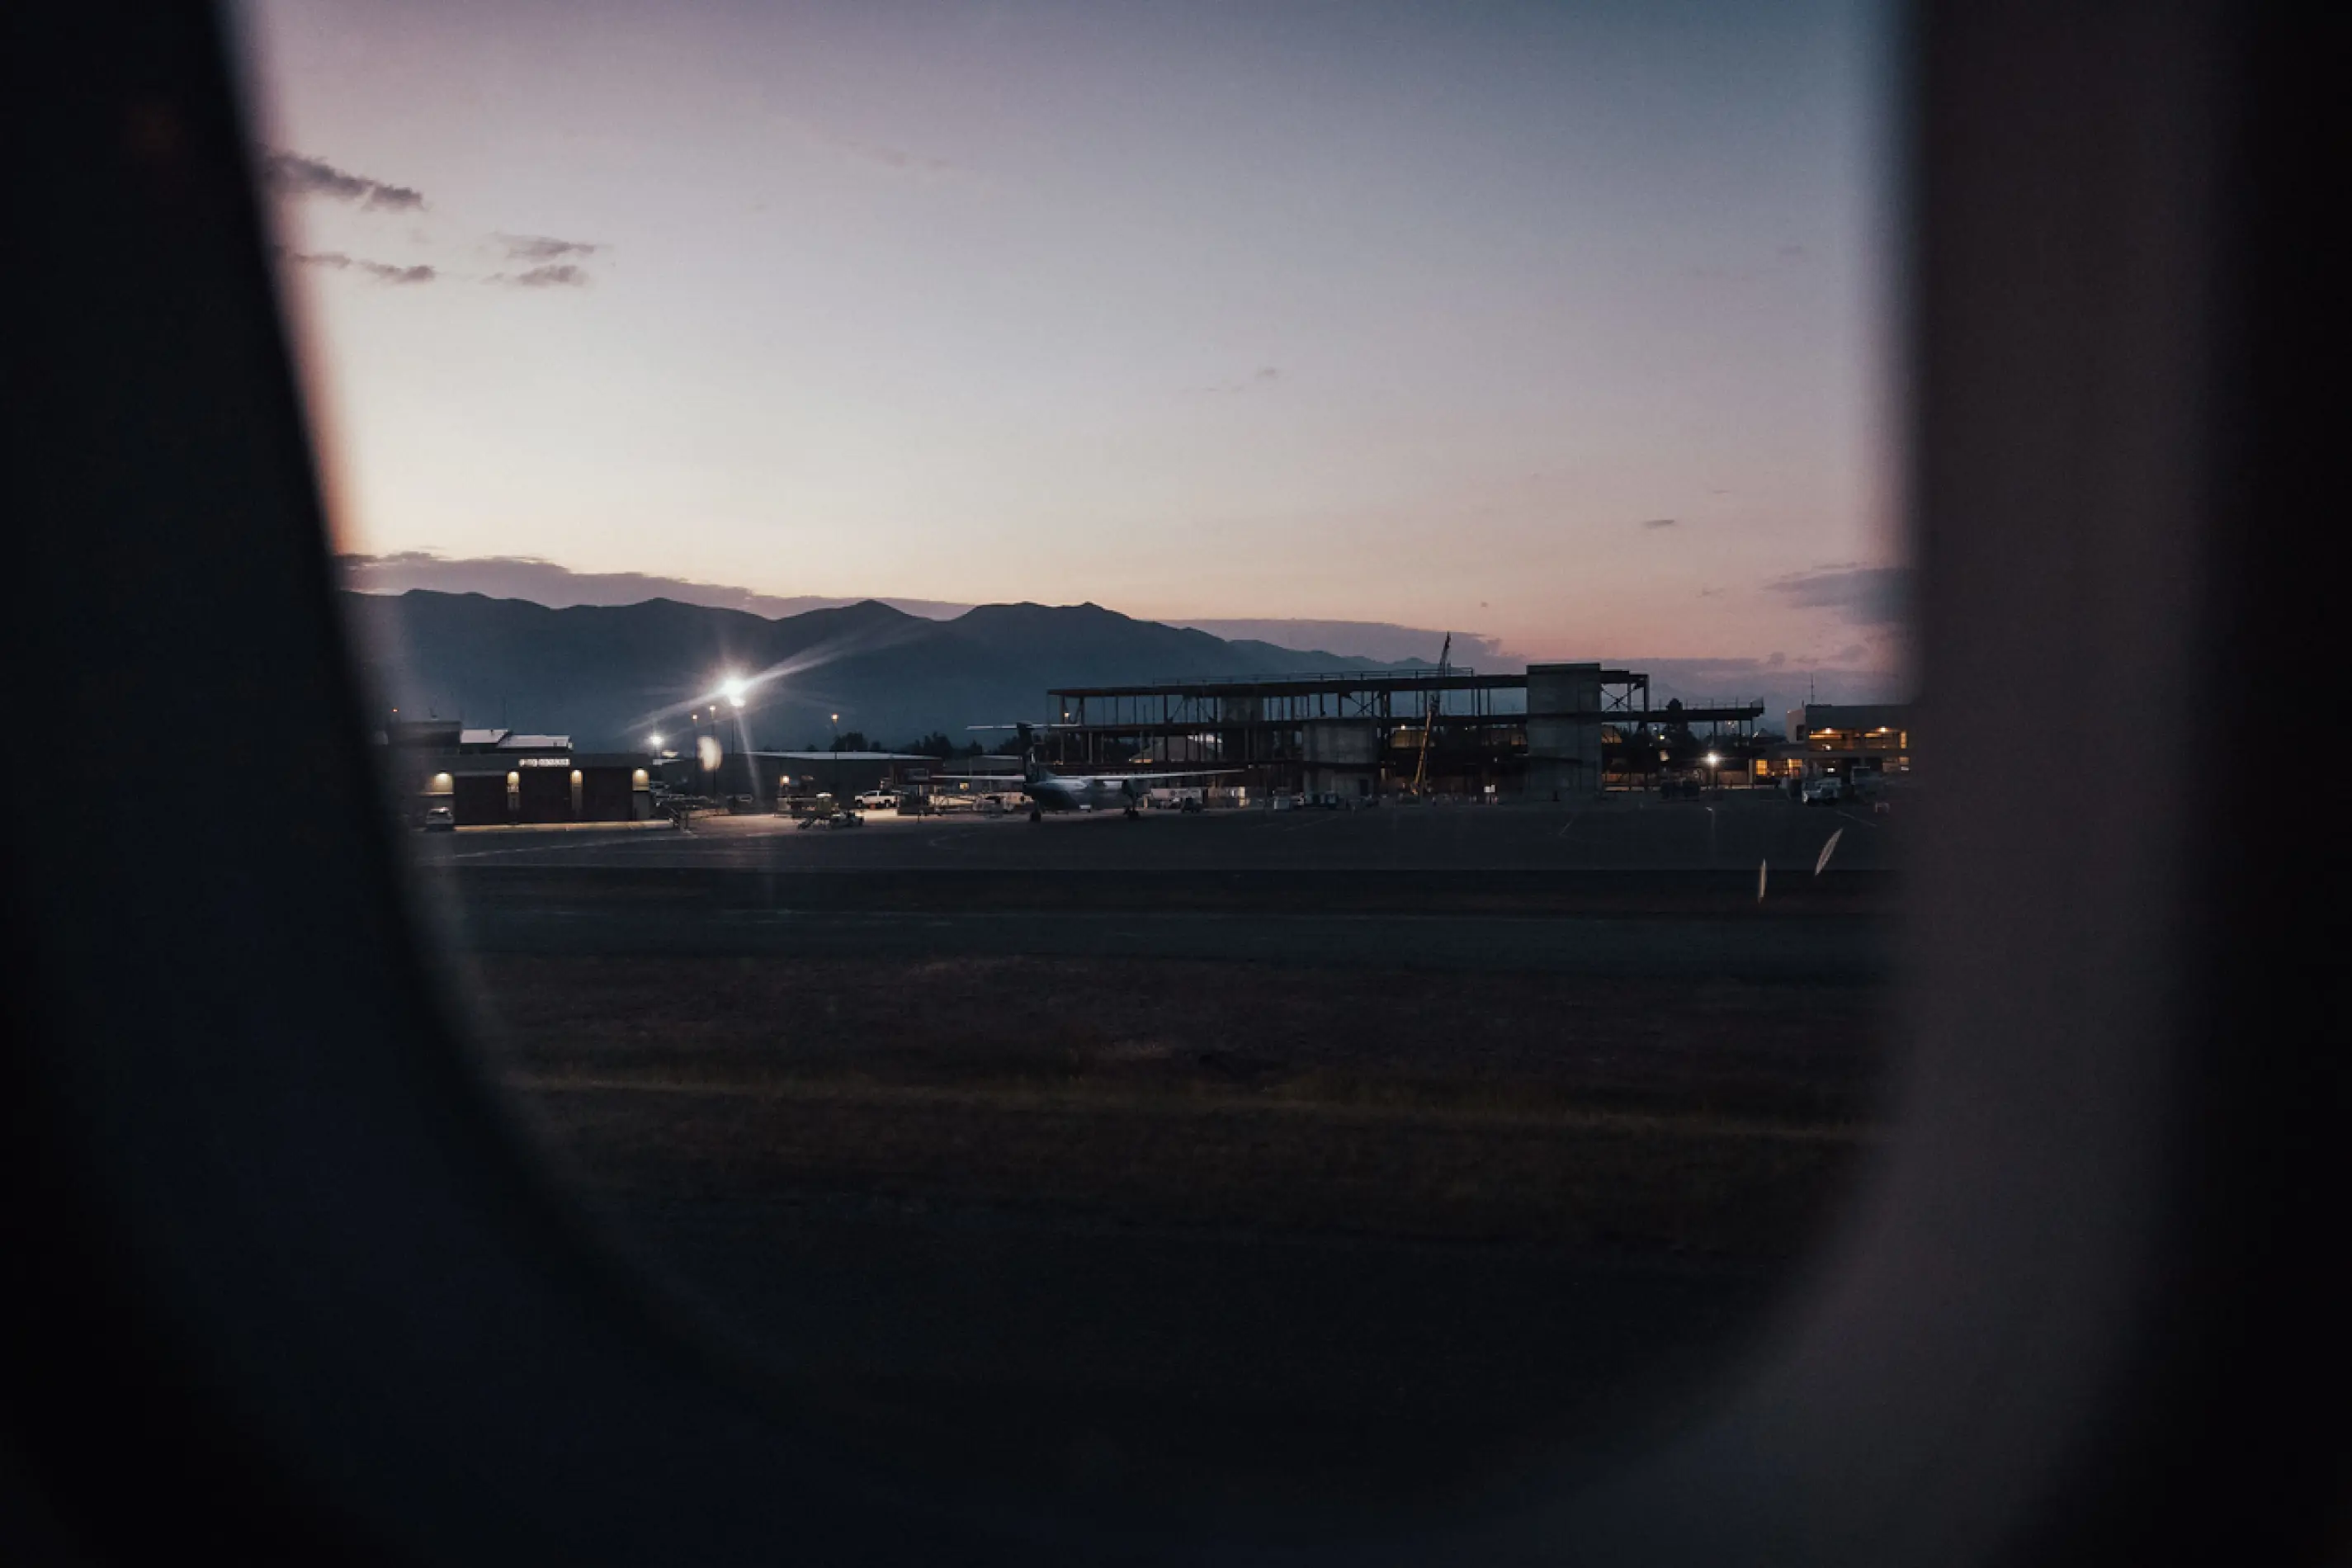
(734, 688)
(1712, 759)
(653, 743)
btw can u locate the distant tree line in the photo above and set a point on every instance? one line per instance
(935, 744)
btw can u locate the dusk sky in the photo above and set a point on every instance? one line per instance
(1563, 325)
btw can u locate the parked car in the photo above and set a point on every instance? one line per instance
(878, 800)
(742, 804)
(440, 820)
(1827, 790)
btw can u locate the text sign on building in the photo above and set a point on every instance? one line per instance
(543, 762)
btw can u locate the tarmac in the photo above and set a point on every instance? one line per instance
(1653, 891)
(1094, 1355)
(1738, 830)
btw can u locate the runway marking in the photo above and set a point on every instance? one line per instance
(1564, 827)
(1864, 821)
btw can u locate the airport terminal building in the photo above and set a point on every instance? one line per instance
(1848, 738)
(501, 777)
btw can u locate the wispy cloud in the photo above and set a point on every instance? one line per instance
(540, 248)
(556, 274)
(1865, 595)
(1258, 380)
(1658, 523)
(546, 261)
(922, 167)
(382, 271)
(897, 159)
(294, 174)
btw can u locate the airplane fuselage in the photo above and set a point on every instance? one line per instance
(1056, 793)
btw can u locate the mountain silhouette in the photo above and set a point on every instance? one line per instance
(609, 675)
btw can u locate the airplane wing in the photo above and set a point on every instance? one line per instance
(1184, 773)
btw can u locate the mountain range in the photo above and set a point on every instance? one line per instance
(609, 675)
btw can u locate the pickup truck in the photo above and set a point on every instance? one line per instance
(1825, 791)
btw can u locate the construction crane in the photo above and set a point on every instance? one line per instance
(1429, 718)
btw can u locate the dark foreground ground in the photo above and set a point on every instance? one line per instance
(1142, 1171)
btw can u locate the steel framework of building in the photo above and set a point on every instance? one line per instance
(1259, 723)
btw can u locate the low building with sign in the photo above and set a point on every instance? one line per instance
(505, 778)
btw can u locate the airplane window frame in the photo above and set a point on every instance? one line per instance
(287, 1254)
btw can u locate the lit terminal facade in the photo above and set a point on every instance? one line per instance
(504, 778)
(1846, 738)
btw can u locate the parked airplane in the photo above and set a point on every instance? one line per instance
(1049, 791)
